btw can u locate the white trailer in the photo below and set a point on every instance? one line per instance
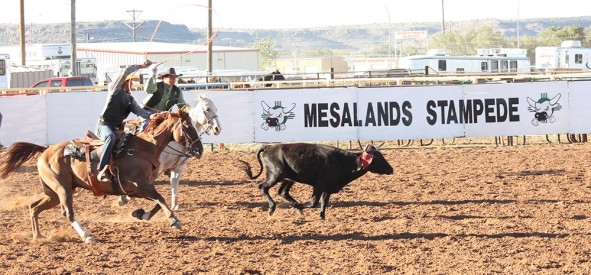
(61, 67)
(54, 57)
(4, 71)
(570, 55)
(488, 61)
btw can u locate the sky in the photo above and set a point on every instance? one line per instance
(282, 14)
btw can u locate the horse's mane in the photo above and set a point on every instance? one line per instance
(161, 117)
(155, 122)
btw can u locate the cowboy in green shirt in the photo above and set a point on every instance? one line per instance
(162, 95)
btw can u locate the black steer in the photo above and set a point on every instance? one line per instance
(327, 169)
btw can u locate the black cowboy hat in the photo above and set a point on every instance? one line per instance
(168, 72)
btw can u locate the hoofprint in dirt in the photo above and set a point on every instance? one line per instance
(447, 209)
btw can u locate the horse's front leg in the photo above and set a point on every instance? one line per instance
(175, 178)
(153, 195)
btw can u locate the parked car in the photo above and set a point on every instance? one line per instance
(62, 82)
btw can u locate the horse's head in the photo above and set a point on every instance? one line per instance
(186, 133)
(205, 116)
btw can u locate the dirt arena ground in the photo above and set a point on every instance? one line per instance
(471, 208)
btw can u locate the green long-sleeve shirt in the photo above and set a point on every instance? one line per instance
(164, 103)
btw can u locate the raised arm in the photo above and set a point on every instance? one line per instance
(120, 78)
(151, 86)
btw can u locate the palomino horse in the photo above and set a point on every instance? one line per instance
(61, 174)
(175, 156)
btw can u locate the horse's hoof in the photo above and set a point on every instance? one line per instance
(138, 214)
(176, 226)
(90, 239)
(123, 200)
(271, 211)
(174, 223)
(176, 207)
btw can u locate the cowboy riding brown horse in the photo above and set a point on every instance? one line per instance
(134, 171)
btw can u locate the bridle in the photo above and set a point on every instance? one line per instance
(189, 142)
(209, 125)
(210, 118)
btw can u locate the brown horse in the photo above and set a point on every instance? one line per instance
(137, 169)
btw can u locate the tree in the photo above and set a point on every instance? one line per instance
(554, 36)
(587, 41)
(485, 37)
(267, 54)
(468, 43)
(452, 42)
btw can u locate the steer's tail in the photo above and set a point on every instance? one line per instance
(17, 154)
(248, 169)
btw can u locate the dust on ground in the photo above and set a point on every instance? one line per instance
(472, 208)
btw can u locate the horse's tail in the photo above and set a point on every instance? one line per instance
(17, 154)
(248, 169)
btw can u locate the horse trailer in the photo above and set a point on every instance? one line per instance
(570, 55)
(487, 61)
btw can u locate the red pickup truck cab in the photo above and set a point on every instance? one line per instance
(62, 82)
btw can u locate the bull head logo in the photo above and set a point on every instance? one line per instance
(276, 116)
(544, 108)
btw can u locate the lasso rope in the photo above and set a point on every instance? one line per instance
(207, 42)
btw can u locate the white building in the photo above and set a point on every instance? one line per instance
(110, 57)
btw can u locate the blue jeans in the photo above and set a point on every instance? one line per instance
(143, 124)
(107, 135)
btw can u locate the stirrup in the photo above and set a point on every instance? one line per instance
(103, 175)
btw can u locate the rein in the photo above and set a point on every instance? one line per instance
(178, 152)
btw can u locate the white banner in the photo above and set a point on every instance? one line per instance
(70, 114)
(305, 115)
(518, 109)
(235, 114)
(579, 100)
(337, 114)
(24, 118)
(405, 114)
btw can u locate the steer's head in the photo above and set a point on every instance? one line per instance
(374, 161)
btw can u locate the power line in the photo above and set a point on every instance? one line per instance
(133, 22)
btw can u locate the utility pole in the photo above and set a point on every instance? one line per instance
(133, 25)
(518, 45)
(389, 38)
(442, 17)
(22, 38)
(209, 39)
(73, 63)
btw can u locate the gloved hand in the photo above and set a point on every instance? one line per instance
(154, 68)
